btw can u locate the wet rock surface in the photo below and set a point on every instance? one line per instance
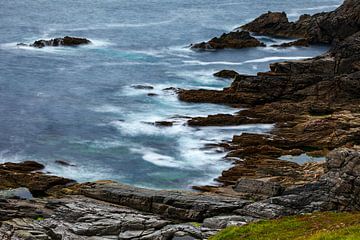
(56, 42)
(238, 39)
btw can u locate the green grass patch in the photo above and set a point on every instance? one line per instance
(318, 226)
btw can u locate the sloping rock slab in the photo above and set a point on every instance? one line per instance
(171, 204)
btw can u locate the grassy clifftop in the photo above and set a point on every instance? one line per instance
(318, 226)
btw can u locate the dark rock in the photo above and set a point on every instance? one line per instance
(152, 94)
(66, 41)
(236, 39)
(27, 166)
(145, 87)
(297, 43)
(164, 124)
(16, 175)
(327, 27)
(64, 163)
(226, 74)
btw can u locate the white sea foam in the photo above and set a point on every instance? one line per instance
(259, 60)
(269, 59)
(202, 63)
(299, 11)
(150, 155)
(107, 108)
(8, 156)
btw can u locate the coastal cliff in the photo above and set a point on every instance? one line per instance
(315, 107)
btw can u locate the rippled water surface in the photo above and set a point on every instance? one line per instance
(77, 104)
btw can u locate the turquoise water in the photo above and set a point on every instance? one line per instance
(77, 104)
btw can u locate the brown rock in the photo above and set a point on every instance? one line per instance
(236, 39)
(226, 74)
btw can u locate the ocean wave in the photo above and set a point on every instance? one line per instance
(202, 63)
(150, 155)
(259, 60)
(269, 59)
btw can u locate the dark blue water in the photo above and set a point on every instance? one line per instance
(77, 104)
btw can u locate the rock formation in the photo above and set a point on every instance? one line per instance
(238, 39)
(327, 27)
(56, 42)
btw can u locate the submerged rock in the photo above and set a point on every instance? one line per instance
(65, 41)
(164, 124)
(238, 39)
(145, 87)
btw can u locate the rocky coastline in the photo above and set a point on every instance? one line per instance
(314, 105)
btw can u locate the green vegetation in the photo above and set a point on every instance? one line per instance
(196, 224)
(39, 218)
(318, 226)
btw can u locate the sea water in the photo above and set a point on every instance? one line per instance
(78, 104)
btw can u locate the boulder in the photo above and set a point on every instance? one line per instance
(226, 74)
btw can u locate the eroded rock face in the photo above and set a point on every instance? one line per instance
(328, 27)
(238, 39)
(65, 41)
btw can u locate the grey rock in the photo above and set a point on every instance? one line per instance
(22, 193)
(180, 205)
(261, 187)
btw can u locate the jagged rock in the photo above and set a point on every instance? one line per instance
(226, 74)
(65, 41)
(238, 39)
(327, 27)
(297, 43)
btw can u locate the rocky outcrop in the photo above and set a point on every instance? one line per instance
(238, 39)
(337, 189)
(226, 74)
(109, 210)
(15, 175)
(56, 42)
(170, 204)
(331, 78)
(327, 27)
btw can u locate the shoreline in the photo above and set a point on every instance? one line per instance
(315, 106)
